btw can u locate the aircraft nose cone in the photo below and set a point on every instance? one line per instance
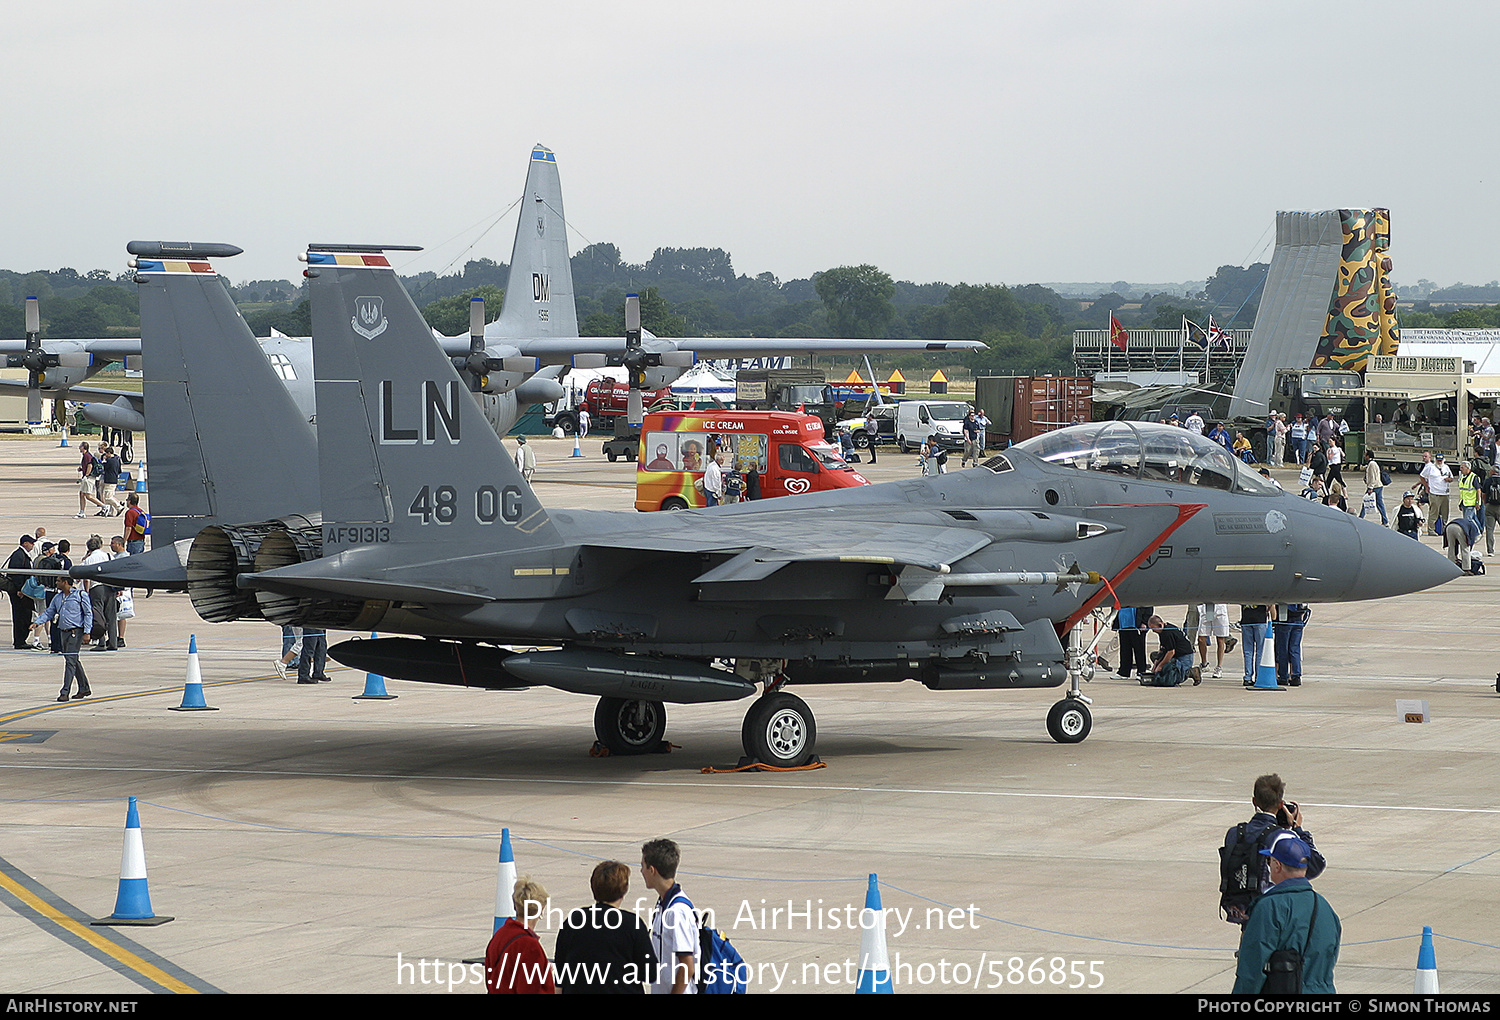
(1393, 564)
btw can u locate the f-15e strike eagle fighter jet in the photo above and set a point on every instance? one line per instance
(973, 580)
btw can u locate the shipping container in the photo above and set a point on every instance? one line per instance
(1022, 406)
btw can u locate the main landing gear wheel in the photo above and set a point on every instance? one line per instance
(779, 730)
(630, 727)
(1069, 721)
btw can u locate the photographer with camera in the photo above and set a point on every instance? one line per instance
(1243, 871)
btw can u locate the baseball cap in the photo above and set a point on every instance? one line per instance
(1289, 850)
(26, 538)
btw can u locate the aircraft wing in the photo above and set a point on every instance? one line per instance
(105, 349)
(762, 549)
(74, 392)
(763, 561)
(755, 347)
(558, 349)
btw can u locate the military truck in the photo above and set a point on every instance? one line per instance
(1418, 404)
(787, 389)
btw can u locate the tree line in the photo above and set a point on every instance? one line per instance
(696, 292)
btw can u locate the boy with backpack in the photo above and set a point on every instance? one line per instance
(693, 959)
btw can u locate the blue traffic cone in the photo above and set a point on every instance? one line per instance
(374, 684)
(874, 961)
(577, 447)
(192, 690)
(133, 904)
(505, 882)
(1265, 679)
(1427, 975)
(140, 476)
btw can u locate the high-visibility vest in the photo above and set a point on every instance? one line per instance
(1468, 489)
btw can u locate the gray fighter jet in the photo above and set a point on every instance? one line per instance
(977, 579)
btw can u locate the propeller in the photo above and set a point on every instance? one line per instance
(478, 367)
(637, 360)
(36, 362)
(477, 364)
(34, 351)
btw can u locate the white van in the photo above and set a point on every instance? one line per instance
(943, 420)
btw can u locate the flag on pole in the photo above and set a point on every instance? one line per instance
(1217, 337)
(1117, 334)
(1191, 333)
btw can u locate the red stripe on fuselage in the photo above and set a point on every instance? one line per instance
(1184, 512)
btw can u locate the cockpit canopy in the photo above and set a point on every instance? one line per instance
(1150, 452)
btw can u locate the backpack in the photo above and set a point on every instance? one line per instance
(1240, 869)
(722, 970)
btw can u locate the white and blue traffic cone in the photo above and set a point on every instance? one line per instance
(133, 904)
(374, 684)
(192, 690)
(1265, 679)
(505, 882)
(874, 961)
(140, 476)
(577, 445)
(1427, 976)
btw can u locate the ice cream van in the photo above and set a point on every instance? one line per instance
(771, 453)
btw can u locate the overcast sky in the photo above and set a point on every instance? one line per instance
(981, 142)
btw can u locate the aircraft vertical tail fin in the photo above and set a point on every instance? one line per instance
(405, 455)
(227, 442)
(539, 293)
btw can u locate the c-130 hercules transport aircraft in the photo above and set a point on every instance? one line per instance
(977, 579)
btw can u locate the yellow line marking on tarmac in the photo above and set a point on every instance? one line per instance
(26, 713)
(94, 938)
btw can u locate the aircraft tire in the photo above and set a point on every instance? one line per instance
(779, 730)
(630, 727)
(1069, 721)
